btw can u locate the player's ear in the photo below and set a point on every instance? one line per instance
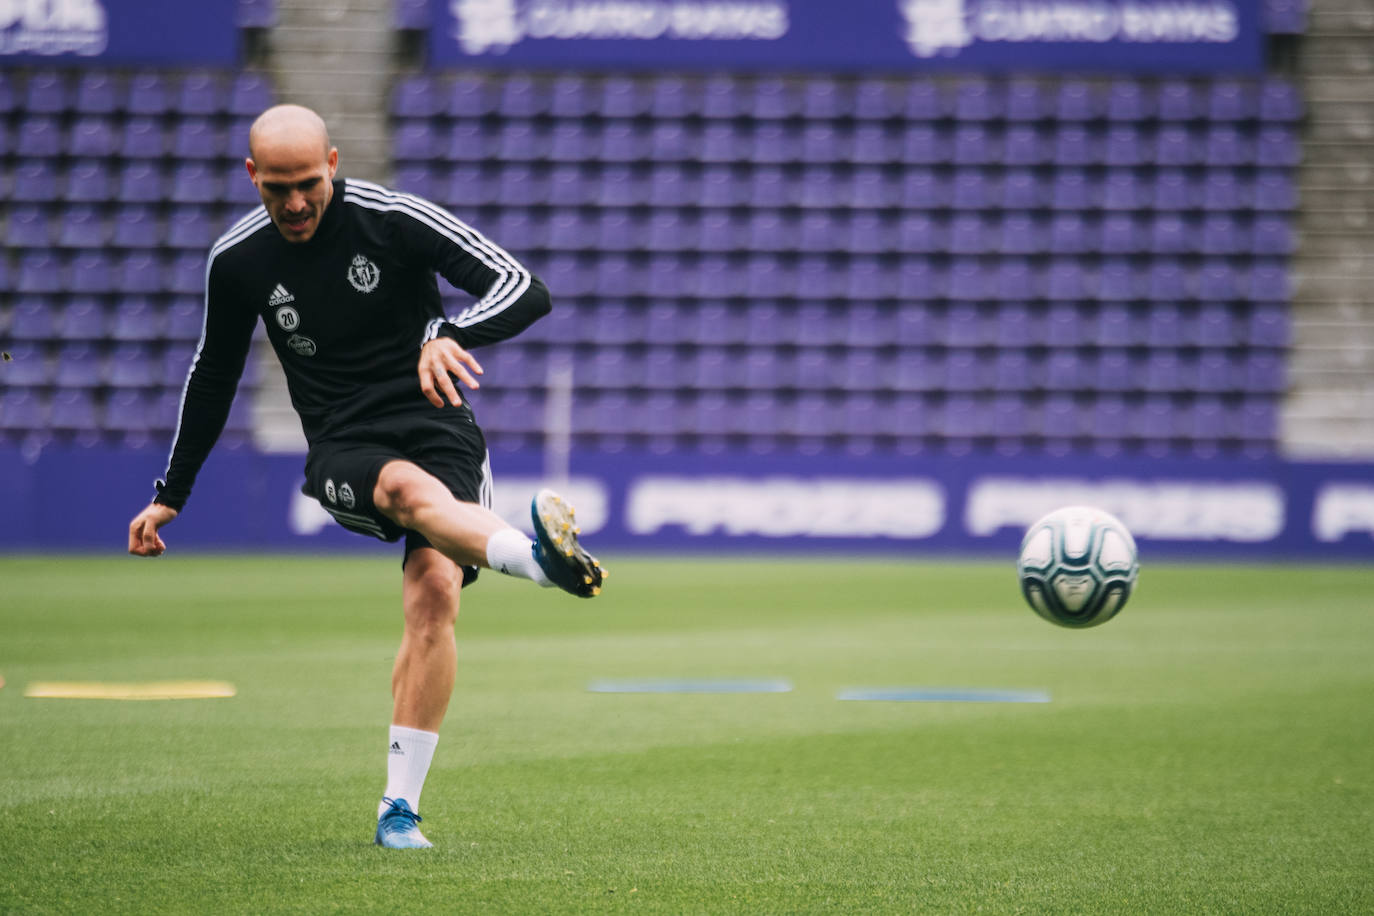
(252, 169)
(333, 160)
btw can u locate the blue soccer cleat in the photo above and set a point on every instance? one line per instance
(556, 549)
(396, 827)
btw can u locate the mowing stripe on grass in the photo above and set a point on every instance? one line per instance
(150, 690)
(689, 685)
(942, 695)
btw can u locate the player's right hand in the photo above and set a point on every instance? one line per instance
(143, 537)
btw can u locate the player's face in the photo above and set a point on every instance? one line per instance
(294, 181)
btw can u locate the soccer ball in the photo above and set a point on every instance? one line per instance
(1077, 566)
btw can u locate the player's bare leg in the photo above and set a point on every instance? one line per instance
(471, 535)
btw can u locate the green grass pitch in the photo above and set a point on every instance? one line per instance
(1211, 750)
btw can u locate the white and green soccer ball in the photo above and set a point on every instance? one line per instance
(1078, 566)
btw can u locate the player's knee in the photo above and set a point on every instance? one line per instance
(432, 590)
(400, 491)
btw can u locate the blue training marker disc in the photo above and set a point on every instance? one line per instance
(942, 695)
(688, 685)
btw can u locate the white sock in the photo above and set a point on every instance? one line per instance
(510, 552)
(407, 764)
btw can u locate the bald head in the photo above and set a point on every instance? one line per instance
(287, 125)
(292, 164)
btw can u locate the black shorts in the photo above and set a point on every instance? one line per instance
(341, 472)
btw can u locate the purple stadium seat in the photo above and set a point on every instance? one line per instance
(1015, 280)
(1265, 372)
(194, 183)
(1070, 233)
(1223, 190)
(1121, 234)
(764, 324)
(1221, 234)
(1280, 101)
(968, 282)
(1130, 101)
(89, 181)
(979, 100)
(256, 14)
(1077, 101)
(975, 144)
(623, 97)
(136, 226)
(81, 318)
(140, 272)
(39, 272)
(921, 189)
(1225, 145)
(132, 365)
(90, 272)
(969, 234)
(871, 233)
(1020, 233)
(1076, 146)
(1116, 281)
(46, 93)
(1217, 282)
(1179, 101)
(1114, 326)
(185, 319)
(1122, 190)
(1125, 145)
(1073, 189)
(921, 280)
(79, 364)
(1024, 144)
(1272, 236)
(1023, 190)
(1166, 281)
(520, 96)
(198, 138)
(1065, 280)
(39, 136)
(875, 144)
(74, 410)
(819, 142)
(1228, 101)
(200, 94)
(93, 135)
(1277, 146)
(97, 92)
(82, 226)
(143, 138)
(823, 97)
(1167, 325)
(416, 96)
(1175, 146)
(1025, 101)
(1273, 190)
(29, 226)
(195, 227)
(148, 94)
(1217, 326)
(924, 144)
(1170, 233)
(923, 101)
(31, 319)
(970, 190)
(416, 141)
(1215, 372)
(29, 365)
(249, 94)
(673, 97)
(1173, 189)
(875, 100)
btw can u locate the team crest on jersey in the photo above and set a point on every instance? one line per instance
(346, 495)
(329, 491)
(363, 274)
(301, 346)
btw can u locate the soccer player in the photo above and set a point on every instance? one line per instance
(342, 274)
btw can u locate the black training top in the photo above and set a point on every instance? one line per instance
(347, 313)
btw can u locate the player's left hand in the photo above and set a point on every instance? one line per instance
(440, 360)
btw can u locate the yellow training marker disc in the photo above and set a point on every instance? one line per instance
(150, 690)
